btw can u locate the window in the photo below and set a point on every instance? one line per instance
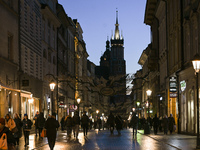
(49, 56)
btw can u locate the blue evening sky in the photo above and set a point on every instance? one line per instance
(97, 19)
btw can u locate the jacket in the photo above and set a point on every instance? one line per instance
(51, 125)
(69, 121)
(85, 120)
(76, 120)
(10, 124)
(19, 125)
(41, 121)
(27, 123)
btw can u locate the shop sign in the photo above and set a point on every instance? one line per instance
(173, 95)
(183, 85)
(172, 84)
(172, 87)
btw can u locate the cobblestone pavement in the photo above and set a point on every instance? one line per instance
(104, 141)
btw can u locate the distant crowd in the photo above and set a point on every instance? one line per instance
(14, 128)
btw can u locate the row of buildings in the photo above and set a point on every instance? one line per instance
(166, 63)
(40, 45)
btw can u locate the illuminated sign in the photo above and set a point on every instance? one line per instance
(172, 87)
(183, 85)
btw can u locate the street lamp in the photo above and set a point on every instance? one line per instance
(138, 104)
(148, 94)
(78, 101)
(52, 86)
(97, 111)
(196, 66)
(133, 109)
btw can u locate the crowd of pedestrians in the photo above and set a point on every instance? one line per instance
(15, 128)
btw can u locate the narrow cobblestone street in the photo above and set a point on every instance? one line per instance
(104, 141)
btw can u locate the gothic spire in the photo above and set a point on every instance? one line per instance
(117, 36)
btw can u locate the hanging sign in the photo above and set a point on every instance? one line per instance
(173, 87)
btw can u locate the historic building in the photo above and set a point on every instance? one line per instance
(9, 57)
(174, 43)
(113, 69)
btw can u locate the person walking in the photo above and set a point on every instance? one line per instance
(36, 123)
(85, 123)
(62, 123)
(99, 123)
(27, 123)
(111, 122)
(171, 123)
(51, 125)
(9, 122)
(40, 122)
(10, 137)
(76, 120)
(69, 125)
(119, 123)
(19, 125)
(155, 124)
(165, 124)
(134, 124)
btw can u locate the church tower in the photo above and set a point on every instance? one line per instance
(117, 62)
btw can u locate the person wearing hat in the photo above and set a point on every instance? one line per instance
(4, 129)
(27, 123)
(51, 125)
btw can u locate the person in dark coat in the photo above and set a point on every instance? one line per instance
(69, 124)
(134, 124)
(51, 125)
(171, 123)
(85, 123)
(27, 123)
(119, 123)
(76, 120)
(19, 125)
(111, 122)
(62, 123)
(155, 124)
(10, 137)
(99, 123)
(36, 123)
(40, 122)
(165, 124)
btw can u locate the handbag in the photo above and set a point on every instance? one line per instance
(44, 133)
(3, 141)
(14, 130)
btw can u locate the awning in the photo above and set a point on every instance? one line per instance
(26, 94)
(7, 88)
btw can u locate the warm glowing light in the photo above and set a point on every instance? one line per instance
(52, 85)
(149, 92)
(138, 103)
(97, 111)
(133, 109)
(30, 100)
(196, 63)
(78, 100)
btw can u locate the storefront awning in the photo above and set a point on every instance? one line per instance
(3, 86)
(25, 94)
